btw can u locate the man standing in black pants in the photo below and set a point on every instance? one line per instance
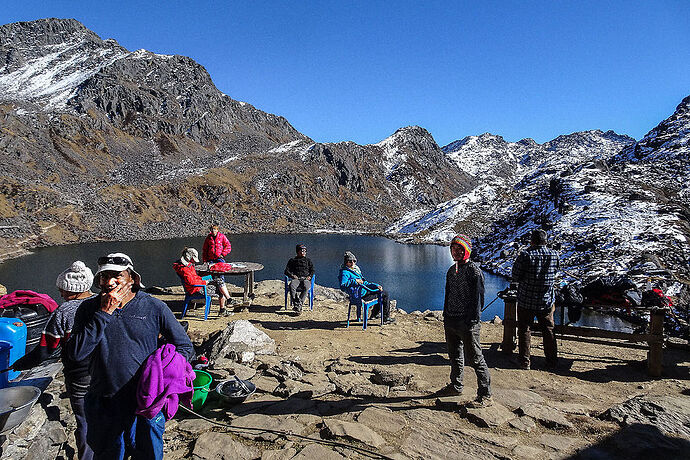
(299, 270)
(461, 309)
(535, 272)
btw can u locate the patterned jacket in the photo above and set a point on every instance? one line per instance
(464, 296)
(535, 271)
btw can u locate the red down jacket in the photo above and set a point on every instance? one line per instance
(189, 277)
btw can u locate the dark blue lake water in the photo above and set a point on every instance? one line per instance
(413, 274)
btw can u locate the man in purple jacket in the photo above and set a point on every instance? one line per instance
(118, 330)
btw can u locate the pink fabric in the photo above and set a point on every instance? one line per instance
(166, 381)
(28, 298)
(215, 248)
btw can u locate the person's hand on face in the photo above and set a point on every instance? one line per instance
(116, 290)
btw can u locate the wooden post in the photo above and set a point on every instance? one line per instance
(509, 325)
(655, 356)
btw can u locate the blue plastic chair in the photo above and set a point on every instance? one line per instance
(204, 295)
(311, 291)
(363, 306)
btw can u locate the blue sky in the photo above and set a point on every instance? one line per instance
(359, 70)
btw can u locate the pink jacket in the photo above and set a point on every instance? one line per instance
(27, 298)
(215, 248)
(166, 381)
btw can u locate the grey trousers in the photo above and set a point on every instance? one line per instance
(300, 286)
(463, 342)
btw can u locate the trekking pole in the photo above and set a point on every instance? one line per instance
(489, 304)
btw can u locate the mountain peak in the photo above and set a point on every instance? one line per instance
(669, 140)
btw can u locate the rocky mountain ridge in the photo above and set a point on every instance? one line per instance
(102, 143)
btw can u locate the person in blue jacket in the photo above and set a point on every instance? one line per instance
(117, 330)
(352, 282)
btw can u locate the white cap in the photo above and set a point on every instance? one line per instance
(117, 262)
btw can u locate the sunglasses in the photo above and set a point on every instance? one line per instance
(116, 260)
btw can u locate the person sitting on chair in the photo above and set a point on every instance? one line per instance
(184, 267)
(299, 270)
(352, 281)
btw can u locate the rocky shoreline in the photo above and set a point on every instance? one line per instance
(374, 390)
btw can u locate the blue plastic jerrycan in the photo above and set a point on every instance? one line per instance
(12, 331)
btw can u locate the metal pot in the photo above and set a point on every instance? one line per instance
(15, 405)
(235, 390)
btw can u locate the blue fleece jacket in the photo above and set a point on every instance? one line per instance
(348, 283)
(118, 344)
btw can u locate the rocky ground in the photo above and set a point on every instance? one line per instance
(374, 390)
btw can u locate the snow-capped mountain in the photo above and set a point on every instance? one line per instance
(610, 204)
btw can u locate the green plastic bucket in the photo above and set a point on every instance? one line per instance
(201, 384)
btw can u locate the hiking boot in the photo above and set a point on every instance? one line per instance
(481, 401)
(389, 320)
(449, 390)
(224, 312)
(521, 364)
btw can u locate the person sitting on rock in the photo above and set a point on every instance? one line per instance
(191, 281)
(464, 299)
(352, 282)
(299, 270)
(74, 285)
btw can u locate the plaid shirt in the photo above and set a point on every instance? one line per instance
(535, 271)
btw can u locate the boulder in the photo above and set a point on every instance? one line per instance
(513, 398)
(237, 338)
(670, 414)
(285, 370)
(528, 452)
(220, 446)
(357, 385)
(428, 442)
(234, 368)
(547, 416)
(282, 454)
(291, 387)
(525, 424)
(490, 438)
(491, 416)
(265, 384)
(390, 377)
(267, 422)
(351, 430)
(193, 426)
(382, 419)
(312, 451)
(557, 442)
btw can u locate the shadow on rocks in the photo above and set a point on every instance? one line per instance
(637, 441)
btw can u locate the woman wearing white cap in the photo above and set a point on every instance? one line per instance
(191, 279)
(74, 285)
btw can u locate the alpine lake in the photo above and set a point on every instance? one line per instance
(413, 274)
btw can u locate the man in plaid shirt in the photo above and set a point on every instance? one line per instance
(535, 271)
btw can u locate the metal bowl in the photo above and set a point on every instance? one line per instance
(15, 405)
(235, 390)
